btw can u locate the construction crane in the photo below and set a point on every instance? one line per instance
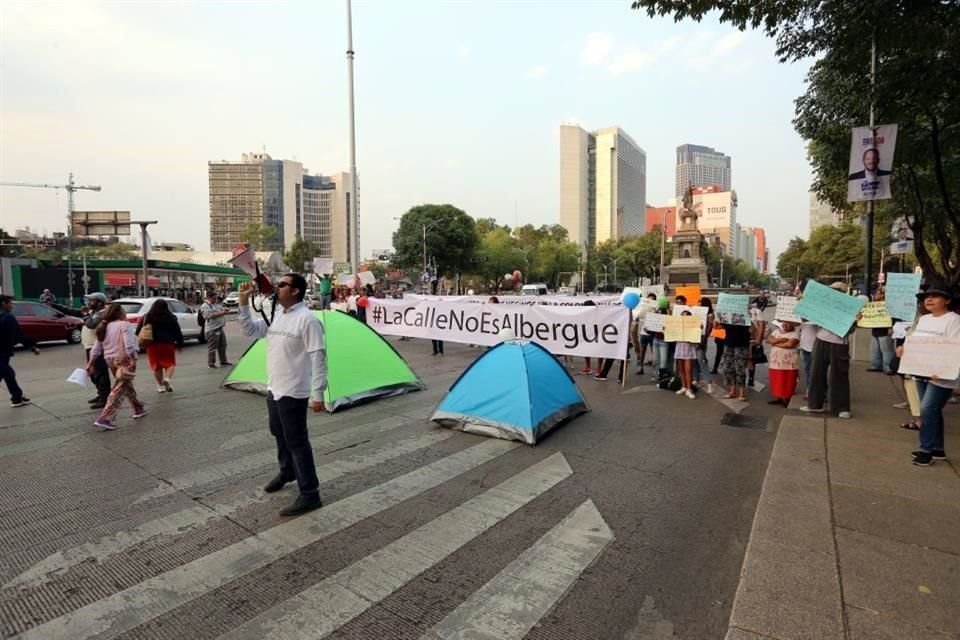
(70, 188)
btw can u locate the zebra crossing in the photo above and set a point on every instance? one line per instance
(506, 607)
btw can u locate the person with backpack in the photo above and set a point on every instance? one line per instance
(214, 316)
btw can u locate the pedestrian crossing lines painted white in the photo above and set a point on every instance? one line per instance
(325, 607)
(127, 609)
(182, 521)
(217, 472)
(510, 604)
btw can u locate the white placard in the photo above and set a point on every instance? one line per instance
(323, 266)
(929, 356)
(785, 307)
(653, 322)
(576, 331)
(80, 377)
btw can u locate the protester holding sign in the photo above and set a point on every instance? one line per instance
(936, 391)
(640, 317)
(831, 361)
(686, 353)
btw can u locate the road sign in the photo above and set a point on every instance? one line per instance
(479, 259)
(100, 223)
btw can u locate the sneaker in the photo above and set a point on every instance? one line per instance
(277, 483)
(167, 385)
(810, 410)
(710, 388)
(902, 405)
(922, 459)
(20, 403)
(302, 504)
(585, 371)
(690, 394)
(140, 414)
(161, 389)
(681, 391)
(600, 377)
(211, 366)
(104, 424)
(936, 454)
(845, 415)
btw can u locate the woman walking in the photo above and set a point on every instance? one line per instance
(165, 339)
(119, 348)
(784, 363)
(686, 353)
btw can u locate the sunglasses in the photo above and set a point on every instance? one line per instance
(282, 284)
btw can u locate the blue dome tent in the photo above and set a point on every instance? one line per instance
(516, 391)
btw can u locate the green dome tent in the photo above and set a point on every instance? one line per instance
(361, 365)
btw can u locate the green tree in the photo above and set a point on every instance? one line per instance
(300, 252)
(638, 256)
(501, 256)
(553, 257)
(117, 251)
(917, 87)
(451, 238)
(793, 261)
(262, 237)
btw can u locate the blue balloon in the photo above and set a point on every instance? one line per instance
(631, 300)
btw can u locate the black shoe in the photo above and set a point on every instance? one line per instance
(936, 454)
(750, 383)
(226, 364)
(211, 366)
(23, 401)
(775, 401)
(871, 370)
(99, 404)
(302, 504)
(922, 459)
(713, 372)
(93, 399)
(601, 378)
(276, 484)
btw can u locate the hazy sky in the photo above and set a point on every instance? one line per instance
(457, 102)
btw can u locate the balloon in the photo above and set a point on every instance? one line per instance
(663, 302)
(506, 334)
(631, 300)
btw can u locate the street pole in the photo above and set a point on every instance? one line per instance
(867, 275)
(424, 226)
(721, 273)
(143, 250)
(355, 210)
(70, 238)
(663, 242)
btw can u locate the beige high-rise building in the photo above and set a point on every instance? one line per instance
(279, 193)
(603, 184)
(821, 213)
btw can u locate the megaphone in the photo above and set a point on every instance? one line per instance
(245, 259)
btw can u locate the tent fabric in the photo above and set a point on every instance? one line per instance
(516, 390)
(361, 365)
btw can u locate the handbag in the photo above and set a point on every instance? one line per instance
(146, 335)
(757, 354)
(126, 367)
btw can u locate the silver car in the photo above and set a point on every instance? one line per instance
(137, 308)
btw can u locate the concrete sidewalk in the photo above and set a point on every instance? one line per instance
(850, 540)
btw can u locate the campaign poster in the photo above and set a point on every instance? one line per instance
(871, 162)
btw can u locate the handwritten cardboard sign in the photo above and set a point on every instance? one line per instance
(681, 329)
(786, 306)
(901, 295)
(827, 307)
(930, 356)
(653, 322)
(874, 316)
(733, 309)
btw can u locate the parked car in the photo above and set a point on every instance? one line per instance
(232, 301)
(535, 289)
(137, 308)
(41, 323)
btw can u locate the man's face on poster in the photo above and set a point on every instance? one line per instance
(871, 160)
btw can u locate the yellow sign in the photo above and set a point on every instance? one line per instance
(874, 316)
(681, 329)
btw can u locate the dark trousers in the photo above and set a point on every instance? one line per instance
(719, 355)
(830, 372)
(9, 378)
(100, 376)
(288, 424)
(216, 345)
(437, 346)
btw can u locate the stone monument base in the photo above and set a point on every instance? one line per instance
(687, 274)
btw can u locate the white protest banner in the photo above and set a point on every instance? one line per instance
(930, 356)
(550, 300)
(653, 322)
(871, 162)
(323, 266)
(733, 309)
(785, 307)
(601, 332)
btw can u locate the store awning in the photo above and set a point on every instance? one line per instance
(128, 280)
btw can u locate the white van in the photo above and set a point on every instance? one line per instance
(536, 289)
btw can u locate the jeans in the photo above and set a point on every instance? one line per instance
(661, 358)
(9, 377)
(881, 352)
(932, 401)
(325, 301)
(807, 363)
(288, 424)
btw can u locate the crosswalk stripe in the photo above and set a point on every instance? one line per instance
(510, 604)
(136, 605)
(214, 473)
(175, 523)
(325, 607)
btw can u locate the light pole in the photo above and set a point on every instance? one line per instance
(143, 250)
(354, 222)
(663, 240)
(614, 260)
(605, 283)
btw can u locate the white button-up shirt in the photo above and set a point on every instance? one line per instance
(296, 357)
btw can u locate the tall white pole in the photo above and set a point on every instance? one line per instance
(70, 239)
(355, 210)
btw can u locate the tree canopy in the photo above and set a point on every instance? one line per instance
(262, 237)
(300, 252)
(451, 238)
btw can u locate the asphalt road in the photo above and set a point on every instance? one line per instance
(629, 522)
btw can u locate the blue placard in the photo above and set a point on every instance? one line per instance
(901, 295)
(733, 309)
(828, 307)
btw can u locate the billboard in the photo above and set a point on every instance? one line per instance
(100, 223)
(871, 161)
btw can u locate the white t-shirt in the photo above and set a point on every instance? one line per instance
(808, 336)
(352, 303)
(946, 326)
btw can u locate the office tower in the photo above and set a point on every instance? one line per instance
(698, 166)
(821, 213)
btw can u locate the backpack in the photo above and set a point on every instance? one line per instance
(668, 381)
(200, 319)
